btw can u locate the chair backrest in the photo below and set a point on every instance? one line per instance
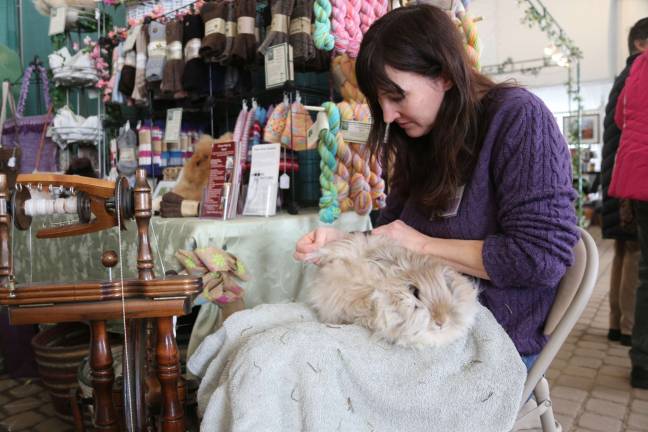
(574, 292)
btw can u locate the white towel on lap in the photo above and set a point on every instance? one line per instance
(276, 368)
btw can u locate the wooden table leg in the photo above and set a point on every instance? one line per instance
(103, 377)
(168, 374)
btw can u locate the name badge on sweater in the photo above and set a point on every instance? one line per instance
(453, 206)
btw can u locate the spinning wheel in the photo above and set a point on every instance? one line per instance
(145, 305)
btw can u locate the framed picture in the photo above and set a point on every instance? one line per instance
(590, 127)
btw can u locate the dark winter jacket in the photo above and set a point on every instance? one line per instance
(610, 216)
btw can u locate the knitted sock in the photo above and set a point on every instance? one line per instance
(195, 70)
(244, 45)
(213, 15)
(127, 78)
(156, 51)
(126, 142)
(172, 78)
(156, 144)
(281, 12)
(139, 90)
(300, 33)
(145, 151)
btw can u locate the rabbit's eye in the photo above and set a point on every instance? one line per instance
(414, 290)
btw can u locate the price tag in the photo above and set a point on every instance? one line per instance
(355, 131)
(173, 122)
(129, 44)
(321, 122)
(284, 181)
(57, 21)
(278, 65)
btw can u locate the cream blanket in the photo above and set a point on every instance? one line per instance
(276, 368)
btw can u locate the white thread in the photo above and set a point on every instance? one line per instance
(157, 244)
(127, 384)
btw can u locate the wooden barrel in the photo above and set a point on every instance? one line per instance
(59, 351)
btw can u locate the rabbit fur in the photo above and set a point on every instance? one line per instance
(405, 298)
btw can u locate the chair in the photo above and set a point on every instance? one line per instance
(574, 292)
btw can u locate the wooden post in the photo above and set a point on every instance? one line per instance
(143, 213)
(168, 374)
(103, 377)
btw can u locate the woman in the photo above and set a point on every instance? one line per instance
(482, 175)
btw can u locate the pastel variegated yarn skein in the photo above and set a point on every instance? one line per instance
(345, 160)
(327, 149)
(276, 123)
(322, 37)
(360, 190)
(473, 43)
(343, 71)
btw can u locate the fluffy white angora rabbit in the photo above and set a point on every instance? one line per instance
(405, 298)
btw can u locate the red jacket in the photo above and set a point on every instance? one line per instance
(630, 175)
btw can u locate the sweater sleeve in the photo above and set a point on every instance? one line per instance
(532, 177)
(392, 210)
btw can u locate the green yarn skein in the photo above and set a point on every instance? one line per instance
(322, 37)
(327, 149)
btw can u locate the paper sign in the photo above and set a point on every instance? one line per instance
(278, 65)
(261, 199)
(129, 44)
(173, 122)
(321, 122)
(57, 21)
(355, 131)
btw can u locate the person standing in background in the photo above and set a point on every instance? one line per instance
(617, 215)
(630, 181)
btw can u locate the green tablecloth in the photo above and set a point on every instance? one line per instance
(265, 245)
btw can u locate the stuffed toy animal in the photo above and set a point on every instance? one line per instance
(195, 172)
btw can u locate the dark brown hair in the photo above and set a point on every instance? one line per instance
(638, 32)
(424, 40)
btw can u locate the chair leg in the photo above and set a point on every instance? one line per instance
(542, 396)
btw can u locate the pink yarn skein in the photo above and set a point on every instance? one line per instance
(338, 27)
(353, 23)
(367, 14)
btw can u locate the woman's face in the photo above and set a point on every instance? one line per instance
(415, 111)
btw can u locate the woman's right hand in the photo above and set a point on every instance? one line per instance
(314, 240)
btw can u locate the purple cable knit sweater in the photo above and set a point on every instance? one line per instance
(519, 201)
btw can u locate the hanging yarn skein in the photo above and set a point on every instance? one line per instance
(281, 12)
(214, 15)
(174, 66)
(327, 149)
(244, 47)
(352, 24)
(345, 159)
(473, 43)
(322, 37)
(300, 32)
(338, 25)
(343, 71)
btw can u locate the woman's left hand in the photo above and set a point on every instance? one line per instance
(404, 235)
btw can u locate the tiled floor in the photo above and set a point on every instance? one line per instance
(589, 378)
